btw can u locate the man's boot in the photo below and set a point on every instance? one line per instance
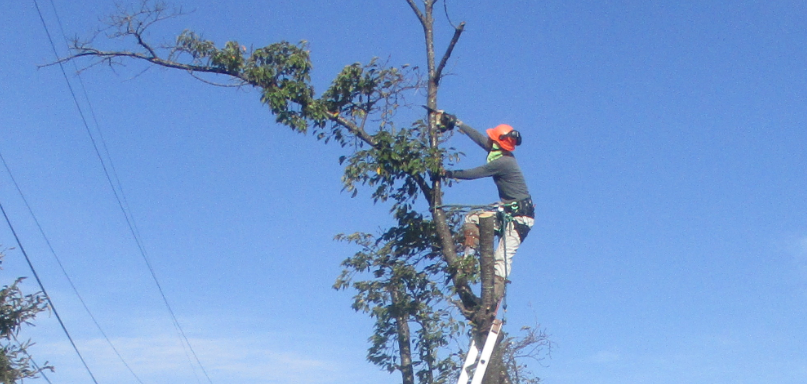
(471, 233)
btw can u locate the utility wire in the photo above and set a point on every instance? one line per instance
(119, 199)
(92, 111)
(45, 293)
(41, 372)
(31, 359)
(66, 275)
(114, 175)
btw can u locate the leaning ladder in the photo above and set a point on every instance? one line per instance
(473, 353)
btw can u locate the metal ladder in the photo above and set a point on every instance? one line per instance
(474, 352)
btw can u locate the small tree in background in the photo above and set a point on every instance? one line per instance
(409, 277)
(17, 309)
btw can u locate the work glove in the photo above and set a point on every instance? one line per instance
(448, 121)
(442, 174)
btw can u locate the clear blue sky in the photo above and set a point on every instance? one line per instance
(664, 145)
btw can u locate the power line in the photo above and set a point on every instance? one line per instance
(31, 359)
(114, 173)
(45, 293)
(64, 271)
(119, 199)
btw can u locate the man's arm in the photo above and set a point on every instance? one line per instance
(486, 170)
(476, 136)
(449, 121)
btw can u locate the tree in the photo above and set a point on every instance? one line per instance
(17, 309)
(410, 277)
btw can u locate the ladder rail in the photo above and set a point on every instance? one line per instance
(487, 351)
(470, 360)
(483, 358)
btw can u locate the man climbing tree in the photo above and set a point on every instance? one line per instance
(409, 277)
(515, 200)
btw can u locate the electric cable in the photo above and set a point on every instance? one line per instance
(31, 359)
(64, 271)
(83, 89)
(45, 293)
(129, 221)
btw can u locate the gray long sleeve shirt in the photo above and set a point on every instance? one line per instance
(505, 170)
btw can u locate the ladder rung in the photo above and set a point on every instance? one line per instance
(470, 360)
(473, 351)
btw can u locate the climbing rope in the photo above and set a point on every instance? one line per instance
(506, 219)
(467, 208)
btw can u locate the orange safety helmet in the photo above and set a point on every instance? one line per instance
(506, 136)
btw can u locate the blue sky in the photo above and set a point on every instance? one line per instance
(663, 145)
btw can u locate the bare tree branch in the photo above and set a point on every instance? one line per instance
(353, 128)
(457, 32)
(108, 56)
(417, 11)
(197, 77)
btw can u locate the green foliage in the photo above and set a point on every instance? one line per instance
(17, 309)
(401, 276)
(404, 278)
(390, 166)
(280, 70)
(373, 89)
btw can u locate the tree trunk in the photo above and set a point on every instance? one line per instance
(487, 311)
(404, 343)
(496, 372)
(497, 369)
(405, 350)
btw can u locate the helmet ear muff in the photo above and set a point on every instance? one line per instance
(514, 135)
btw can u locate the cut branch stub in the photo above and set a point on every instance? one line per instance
(486, 265)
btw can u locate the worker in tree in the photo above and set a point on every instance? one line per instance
(515, 199)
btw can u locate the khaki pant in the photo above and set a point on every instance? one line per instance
(508, 244)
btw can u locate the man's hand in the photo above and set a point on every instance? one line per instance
(442, 174)
(447, 120)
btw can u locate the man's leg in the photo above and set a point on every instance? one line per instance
(508, 245)
(470, 230)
